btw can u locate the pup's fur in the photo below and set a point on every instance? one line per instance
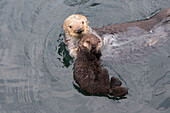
(88, 71)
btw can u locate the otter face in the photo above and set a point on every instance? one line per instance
(75, 25)
(91, 42)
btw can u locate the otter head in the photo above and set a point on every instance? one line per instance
(75, 25)
(90, 42)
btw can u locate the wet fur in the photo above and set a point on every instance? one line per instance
(146, 25)
(71, 38)
(91, 77)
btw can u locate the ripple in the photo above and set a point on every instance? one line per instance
(75, 2)
(164, 105)
(36, 71)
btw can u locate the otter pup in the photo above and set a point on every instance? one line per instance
(75, 26)
(88, 71)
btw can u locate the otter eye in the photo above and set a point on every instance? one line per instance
(70, 26)
(88, 42)
(82, 22)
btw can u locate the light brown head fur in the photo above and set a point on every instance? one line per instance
(91, 42)
(75, 25)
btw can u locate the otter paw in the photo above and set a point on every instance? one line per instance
(118, 91)
(115, 82)
(98, 54)
(73, 53)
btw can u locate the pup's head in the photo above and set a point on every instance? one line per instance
(75, 25)
(90, 42)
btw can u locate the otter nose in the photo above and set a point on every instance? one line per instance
(79, 31)
(93, 47)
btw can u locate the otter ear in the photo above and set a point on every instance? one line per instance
(64, 26)
(87, 22)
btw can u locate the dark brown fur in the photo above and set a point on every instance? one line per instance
(89, 74)
(146, 25)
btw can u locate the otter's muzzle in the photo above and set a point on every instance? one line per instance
(79, 31)
(93, 47)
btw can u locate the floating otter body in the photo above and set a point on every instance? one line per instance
(88, 71)
(120, 42)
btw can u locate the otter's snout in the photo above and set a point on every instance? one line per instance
(79, 31)
(93, 47)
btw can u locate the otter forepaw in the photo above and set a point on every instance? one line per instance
(98, 54)
(115, 82)
(118, 91)
(73, 53)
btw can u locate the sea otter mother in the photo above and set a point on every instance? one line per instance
(131, 39)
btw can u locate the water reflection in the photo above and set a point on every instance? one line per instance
(67, 60)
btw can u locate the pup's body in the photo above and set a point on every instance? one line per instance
(76, 26)
(88, 71)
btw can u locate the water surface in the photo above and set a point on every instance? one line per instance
(36, 70)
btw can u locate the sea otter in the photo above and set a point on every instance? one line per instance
(88, 72)
(132, 39)
(75, 26)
